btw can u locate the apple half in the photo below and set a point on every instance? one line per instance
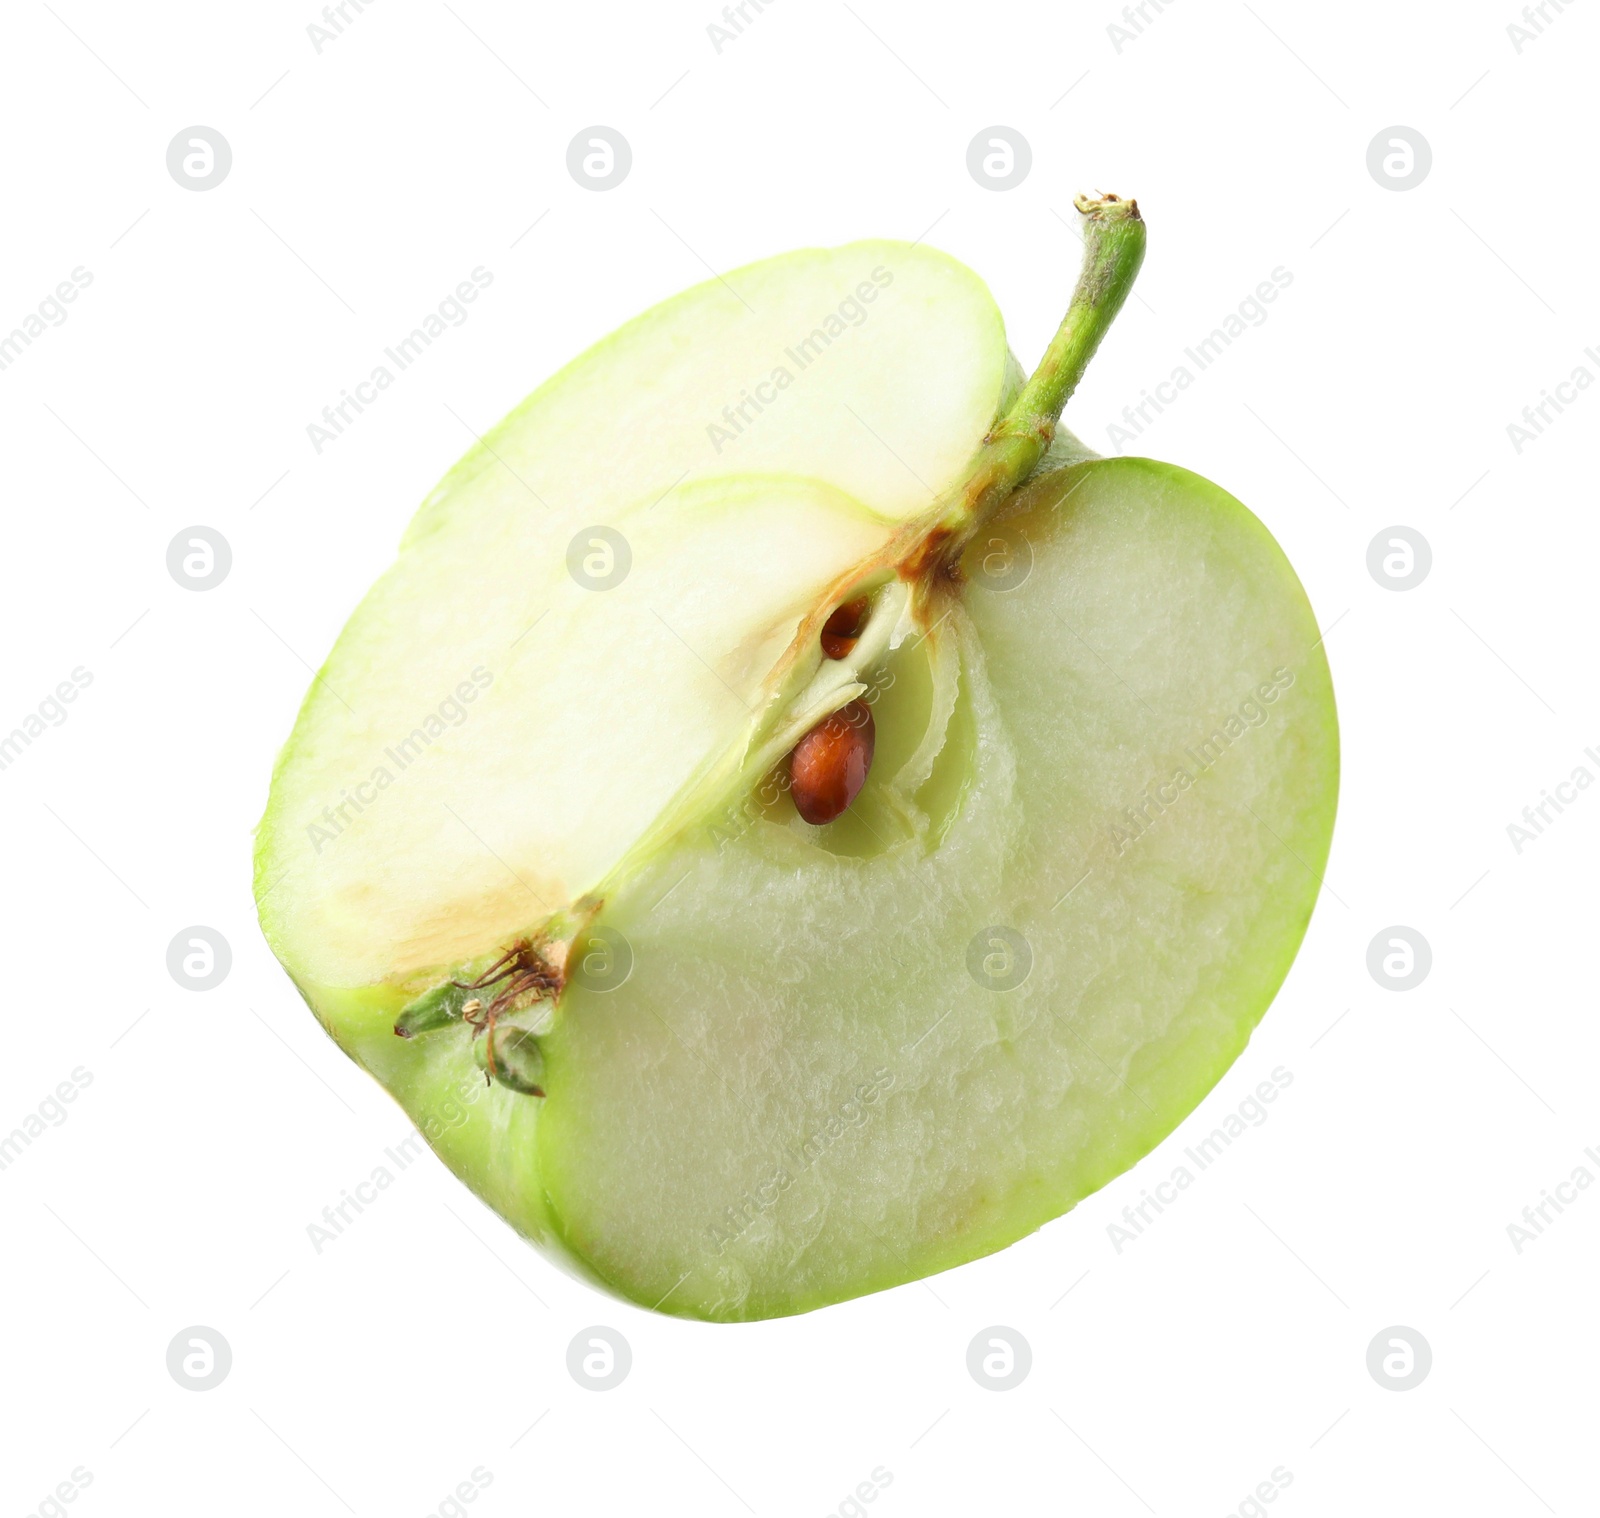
(535, 855)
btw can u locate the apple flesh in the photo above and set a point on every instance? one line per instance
(515, 704)
(780, 1064)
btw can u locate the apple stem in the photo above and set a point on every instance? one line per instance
(1113, 249)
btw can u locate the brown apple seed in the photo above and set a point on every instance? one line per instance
(829, 765)
(840, 631)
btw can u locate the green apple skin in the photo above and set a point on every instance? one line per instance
(676, 1160)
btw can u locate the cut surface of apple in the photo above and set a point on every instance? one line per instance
(748, 1066)
(871, 1095)
(481, 689)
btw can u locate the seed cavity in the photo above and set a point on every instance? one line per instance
(830, 764)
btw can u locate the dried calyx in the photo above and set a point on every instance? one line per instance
(521, 977)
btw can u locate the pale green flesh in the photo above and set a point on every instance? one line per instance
(782, 974)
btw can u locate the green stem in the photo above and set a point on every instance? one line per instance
(1113, 249)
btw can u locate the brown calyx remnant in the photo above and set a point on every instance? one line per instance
(522, 975)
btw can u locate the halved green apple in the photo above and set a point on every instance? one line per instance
(531, 854)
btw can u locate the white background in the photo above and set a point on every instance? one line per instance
(368, 179)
